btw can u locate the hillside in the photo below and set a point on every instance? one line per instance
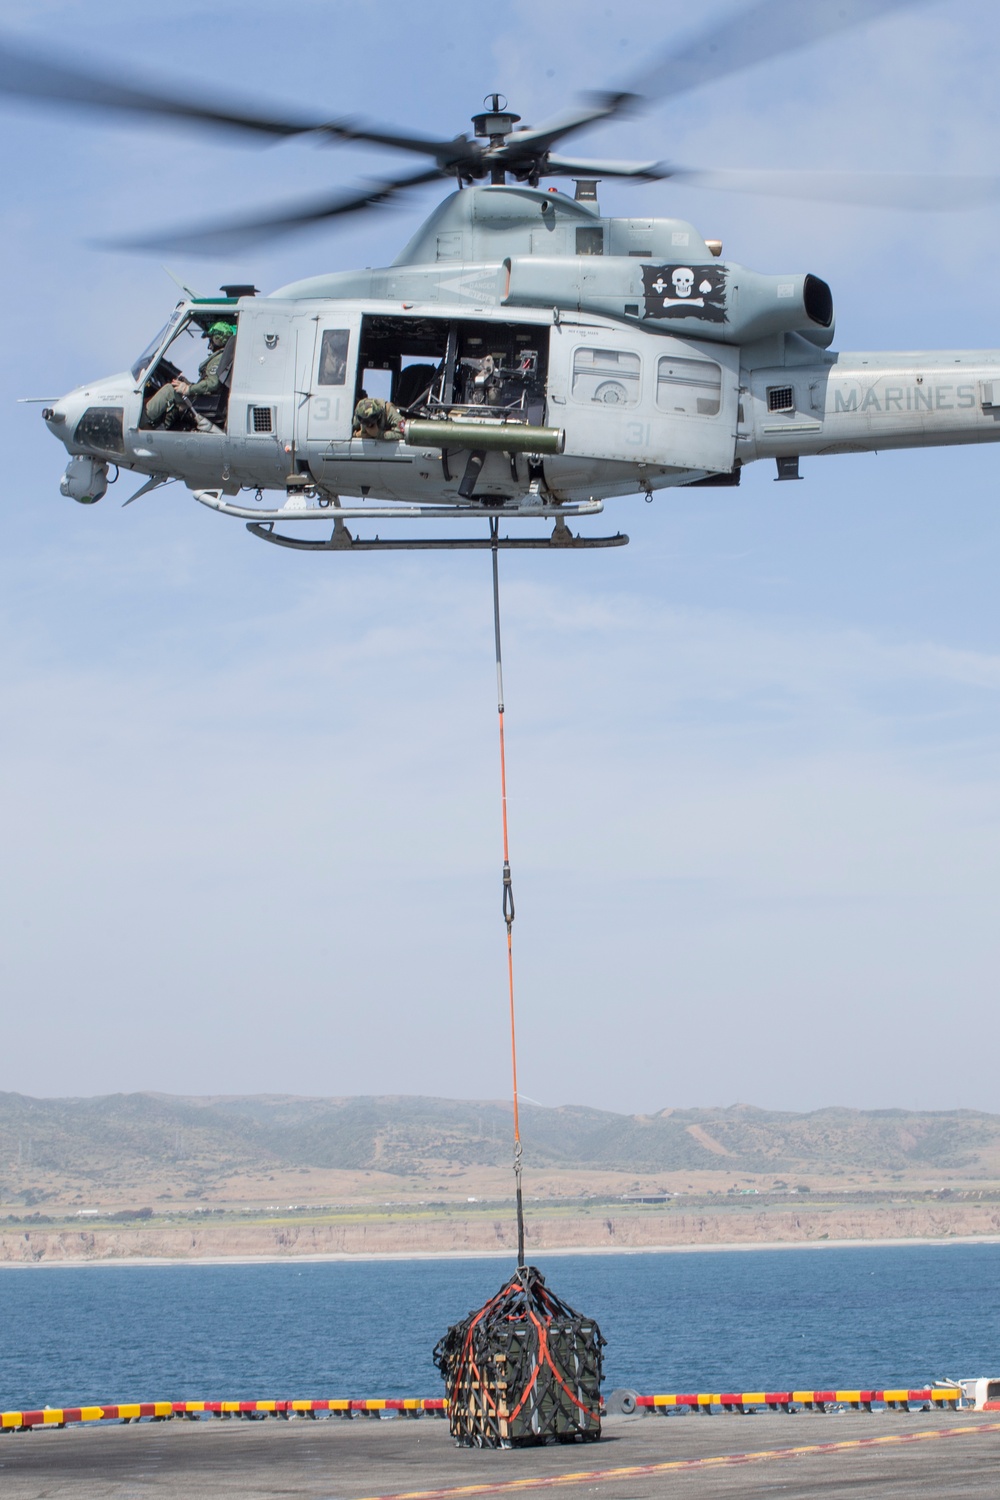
(132, 1147)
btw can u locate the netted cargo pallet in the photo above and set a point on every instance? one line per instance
(523, 1370)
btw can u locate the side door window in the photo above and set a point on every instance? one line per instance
(333, 348)
(688, 387)
(606, 377)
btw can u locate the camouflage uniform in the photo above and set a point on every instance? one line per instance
(162, 405)
(373, 411)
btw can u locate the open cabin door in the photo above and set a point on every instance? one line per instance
(630, 396)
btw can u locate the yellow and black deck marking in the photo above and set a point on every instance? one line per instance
(683, 1465)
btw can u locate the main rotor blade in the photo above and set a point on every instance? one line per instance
(641, 171)
(28, 76)
(760, 32)
(238, 234)
(564, 124)
(446, 153)
(764, 30)
(32, 77)
(902, 190)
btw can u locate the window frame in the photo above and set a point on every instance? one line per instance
(630, 379)
(326, 340)
(690, 361)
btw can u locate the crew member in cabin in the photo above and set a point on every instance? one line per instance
(374, 418)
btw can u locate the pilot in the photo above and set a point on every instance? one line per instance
(374, 418)
(162, 405)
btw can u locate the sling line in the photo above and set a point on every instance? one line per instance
(508, 893)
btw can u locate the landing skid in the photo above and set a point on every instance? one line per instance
(260, 523)
(562, 539)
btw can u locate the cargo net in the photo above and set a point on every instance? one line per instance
(523, 1370)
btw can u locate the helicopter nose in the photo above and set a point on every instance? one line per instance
(93, 417)
(62, 418)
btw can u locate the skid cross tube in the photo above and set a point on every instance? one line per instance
(301, 511)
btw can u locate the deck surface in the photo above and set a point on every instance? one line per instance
(848, 1456)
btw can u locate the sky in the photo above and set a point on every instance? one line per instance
(249, 818)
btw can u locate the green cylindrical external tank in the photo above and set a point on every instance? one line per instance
(485, 437)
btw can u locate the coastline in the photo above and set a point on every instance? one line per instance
(399, 1234)
(390, 1256)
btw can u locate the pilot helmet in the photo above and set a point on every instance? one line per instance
(220, 331)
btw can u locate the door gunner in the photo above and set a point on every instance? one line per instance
(374, 418)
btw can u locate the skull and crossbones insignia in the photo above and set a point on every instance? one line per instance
(679, 290)
(682, 285)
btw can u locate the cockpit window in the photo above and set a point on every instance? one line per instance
(146, 357)
(176, 396)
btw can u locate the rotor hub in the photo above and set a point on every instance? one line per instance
(497, 122)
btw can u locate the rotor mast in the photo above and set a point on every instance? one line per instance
(495, 124)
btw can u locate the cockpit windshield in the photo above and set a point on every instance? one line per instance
(146, 357)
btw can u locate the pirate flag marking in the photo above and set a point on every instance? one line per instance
(685, 292)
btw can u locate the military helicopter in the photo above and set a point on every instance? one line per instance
(542, 358)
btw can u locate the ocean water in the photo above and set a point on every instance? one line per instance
(727, 1320)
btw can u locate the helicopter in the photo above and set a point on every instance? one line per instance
(543, 359)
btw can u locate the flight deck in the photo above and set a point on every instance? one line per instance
(888, 1454)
